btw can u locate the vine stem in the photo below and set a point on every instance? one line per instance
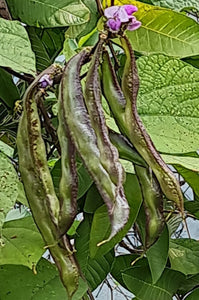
(99, 6)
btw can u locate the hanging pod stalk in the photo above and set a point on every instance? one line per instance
(90, 141)
(39, 187)
(137, 133)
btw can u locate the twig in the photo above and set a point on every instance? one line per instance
(25, 77)
(99, 6)
(117, 64)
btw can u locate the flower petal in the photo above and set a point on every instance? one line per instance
(111, 11)
(114, 24)
(122, 14)
(133, 25)
(130, 9)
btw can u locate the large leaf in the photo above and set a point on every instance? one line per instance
(19, 282)
(84, 180)
(183, 255)
(168, 103)
(9, 187)
(8, 91)
(95, 270)
(21, 243)
(191, 177)
(101, 224)
(194, 295)
(163, 31)
(187, 162)
(46, 44)
(177, 5)
(139, 282)
(15, 50)
(157, 255)
(49, 13)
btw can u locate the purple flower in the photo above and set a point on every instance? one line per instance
(45, 80)
(119, 15)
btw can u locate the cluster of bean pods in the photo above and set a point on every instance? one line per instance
(82, 128)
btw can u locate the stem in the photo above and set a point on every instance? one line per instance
(99, 6)
(117, 64)
(25, 77)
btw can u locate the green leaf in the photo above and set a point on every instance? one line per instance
(68, 49)
(46, 44)
(93, 200)
(190, 177)
(44, 285)
(95, 270)
(8, 91)
(9, 187)
(18, 213)
(163, 31)
(49, 13)
(120, 265)
(21, 243)
(16, 52)
(84, 180)
(191, 163)
(194, 295)
(188, 284)
(139, 282)
(168, 103)
(183, 255)
(101, 224)
(157, 255)
(177, 5)
(6, 149)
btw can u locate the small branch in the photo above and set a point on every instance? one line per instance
(117, 64)
(99, 6)
(26, 77)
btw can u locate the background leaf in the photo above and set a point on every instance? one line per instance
(183, 255)
(168, 103)
(16, 52)
(95, 270)
(163, 31)
(177, 5)
(194, 295)
(23, 244)
(9, 187)
(49, 13)
(157, 255)
(44, 285)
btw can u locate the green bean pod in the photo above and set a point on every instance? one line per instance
(39, 187)
(89, 143)
(68, 183)
(153, 204)
(131, 126)
(126, 149)
(137, 133)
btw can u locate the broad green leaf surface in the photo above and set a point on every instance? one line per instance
(9, 184)
(194, 295)
(168, 103)
(95, 270)
(21, 243)
(8, 91)
(49, 13)
(17, 213)
(188, 284)
(157, 255)
(183, 255)
(120, 264)
(6, 149)
(139, 282)
(187, 162)
(93, 200)
(19, 282)
(163, 31)
(46, 44)
(177, 5)
(15, 50)
(84, 180)
(100, 229)
(191, 177)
